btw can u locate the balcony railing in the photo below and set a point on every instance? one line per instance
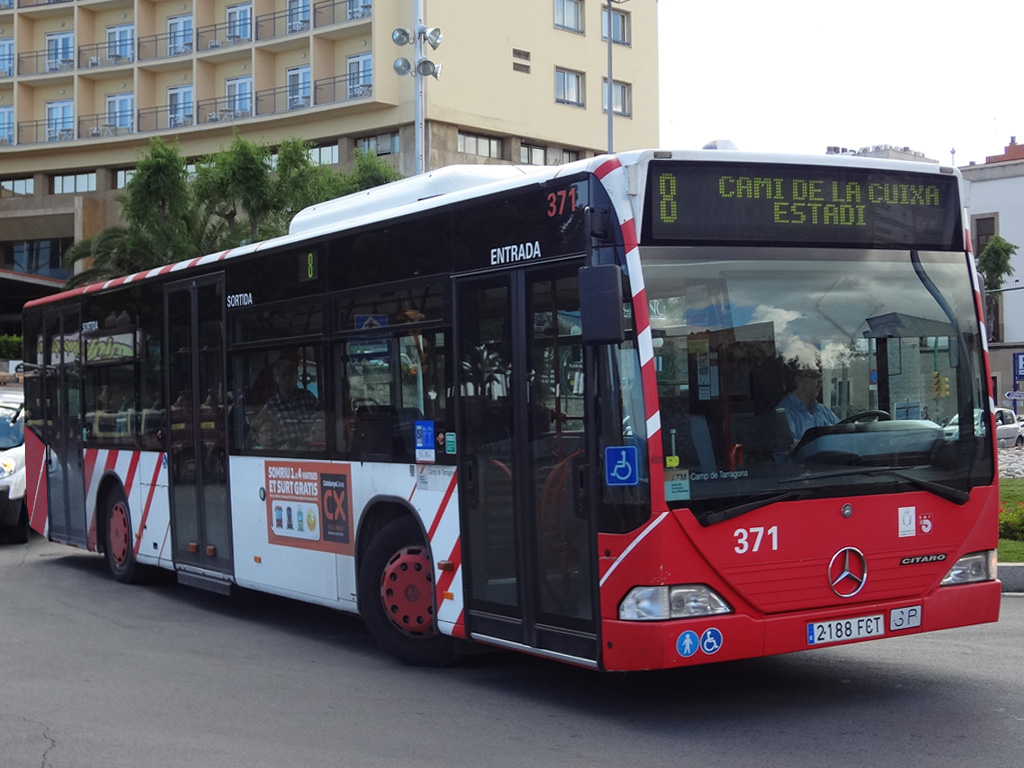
(164, 46)
(165, 118)
(224, 109)
(31, 3)
(285, 99)
(223, 34)
(106, 54)
(45, 62)
(337, 11)
(39, 131)
(342, 88)
(282, 23)
(106, 124)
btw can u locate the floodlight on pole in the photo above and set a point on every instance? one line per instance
(423, 67)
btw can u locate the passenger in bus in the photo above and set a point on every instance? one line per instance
(292, 417)
(801, 405)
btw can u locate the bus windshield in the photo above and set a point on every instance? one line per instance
(790, 372)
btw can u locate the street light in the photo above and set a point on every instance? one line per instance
(423, 67)
(610, 97)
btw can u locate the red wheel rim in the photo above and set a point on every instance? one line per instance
(118, 533)
(407, 591)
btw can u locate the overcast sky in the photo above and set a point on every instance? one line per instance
(802, 75)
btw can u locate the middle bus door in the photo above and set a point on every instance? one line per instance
(529, 545)
(197, 443)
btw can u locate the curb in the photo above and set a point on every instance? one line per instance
(1012, 576)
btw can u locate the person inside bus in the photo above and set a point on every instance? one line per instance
(801, 405)
(292, 417)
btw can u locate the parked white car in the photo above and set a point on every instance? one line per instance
(13, 512)
(1009, 432)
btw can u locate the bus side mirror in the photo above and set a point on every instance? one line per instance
(601, 304)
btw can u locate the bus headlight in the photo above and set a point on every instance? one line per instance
(671, 602)
(977, 566)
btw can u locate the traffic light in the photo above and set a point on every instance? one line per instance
(935, 385)
(944, 386)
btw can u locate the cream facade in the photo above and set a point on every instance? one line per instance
(85, 84)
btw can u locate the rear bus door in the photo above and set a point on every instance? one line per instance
(529, 545)
(62, 426)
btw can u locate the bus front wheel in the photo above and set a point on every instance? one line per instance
(396, 596)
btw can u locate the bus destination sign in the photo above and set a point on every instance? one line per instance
(820, 205)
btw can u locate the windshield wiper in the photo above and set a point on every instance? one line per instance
(726, 513)
(946, 492)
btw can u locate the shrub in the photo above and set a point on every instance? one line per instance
(1011, 521)
(10, 347)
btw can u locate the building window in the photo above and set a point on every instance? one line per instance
(121, 43)
(620, 26)
(7, 57)
(74, 183)
(360, 75)
(983, 229)
(121, 112)
(60, 51)
(622, 97)
(239, 19)
(531, 155)
(60, 120)
(122, 176)
(382, 144)
(6, 126)
(179, 34)
(325, 155)
(238, 91)
(179, 106)
(568, 87)
(17, 187)
(567, 156)
(483, 146)
(298, 87)
(569, 15)
(36, 257)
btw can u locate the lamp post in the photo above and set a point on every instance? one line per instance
(610, 97)
(422, 67)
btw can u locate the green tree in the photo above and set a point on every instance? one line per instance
(995, 266)
(154, 201)
(236, 186)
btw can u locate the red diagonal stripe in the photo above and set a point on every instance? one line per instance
(440, 510)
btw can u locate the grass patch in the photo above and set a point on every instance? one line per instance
(1011, 551)
(1011, 499)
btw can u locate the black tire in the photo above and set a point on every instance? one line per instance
(402, 620)
(117, 540)
(19, 532)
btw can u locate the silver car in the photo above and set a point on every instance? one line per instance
(13, 512)
(1009, 432)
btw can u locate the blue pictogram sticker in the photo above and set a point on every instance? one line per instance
(687, 644)
(621, 465)
(711, 641)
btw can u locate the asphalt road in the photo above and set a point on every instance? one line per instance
(96, 674)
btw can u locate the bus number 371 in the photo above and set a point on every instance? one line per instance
(749, 539)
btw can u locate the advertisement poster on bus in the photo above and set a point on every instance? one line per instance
(309, 506)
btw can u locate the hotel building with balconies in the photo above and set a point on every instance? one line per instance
(84, 84)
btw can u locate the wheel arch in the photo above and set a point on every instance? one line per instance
(379, 512)
(109, 484)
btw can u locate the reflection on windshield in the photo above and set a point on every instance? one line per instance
(774, 364)
(12, 428)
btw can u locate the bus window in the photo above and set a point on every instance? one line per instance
(276, 404)
(388, 384)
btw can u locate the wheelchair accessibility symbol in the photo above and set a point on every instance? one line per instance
(621, 465)
(711, 641)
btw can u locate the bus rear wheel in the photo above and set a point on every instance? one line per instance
(117, 531)
(396, 596)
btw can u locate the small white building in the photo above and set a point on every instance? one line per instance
(995, 205)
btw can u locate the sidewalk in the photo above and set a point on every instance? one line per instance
(1012, 576)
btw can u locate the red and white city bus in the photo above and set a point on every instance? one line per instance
(635, 412)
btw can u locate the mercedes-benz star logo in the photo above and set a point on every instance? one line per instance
(848, 572)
